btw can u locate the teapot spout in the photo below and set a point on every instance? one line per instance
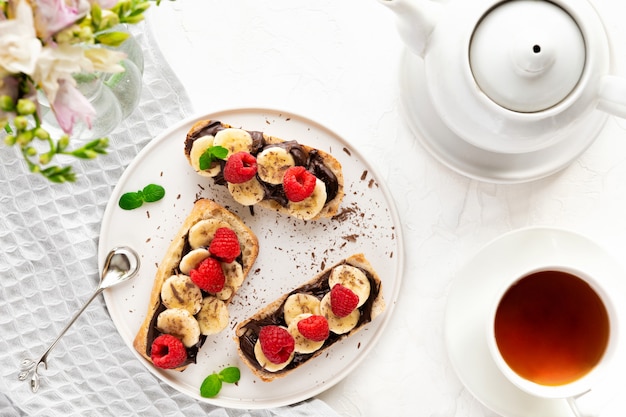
(416, 21)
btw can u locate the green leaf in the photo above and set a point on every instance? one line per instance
(205, 161)
(112, 38)
(220, 152)
(149, 194)
(141, 7)
(211, 386)
(132, 19)
(211, 154)
(152, 193)
(230, 374)
(96, 14)
(63, 143)
(130, 201)
(98, 145)
(85, 77)
(88, 151)
(90, 154)
(115, 79)
(58, 174)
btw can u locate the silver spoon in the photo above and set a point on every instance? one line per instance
(121, 264)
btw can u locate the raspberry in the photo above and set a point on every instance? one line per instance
(314, 328)
(168, 352)
(240, 167)
(225, 245)
(208, 275)
(298, 183)
(342, 300)
(277, 343)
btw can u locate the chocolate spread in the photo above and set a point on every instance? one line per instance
(312, 161)
(250, 331)
(153, 332)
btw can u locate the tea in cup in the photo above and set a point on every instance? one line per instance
(552, 331)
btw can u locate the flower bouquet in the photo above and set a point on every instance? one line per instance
(45, 47)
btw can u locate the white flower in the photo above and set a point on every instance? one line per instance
(105, 60)
(19, 46)
(105, 4)
(58, 63)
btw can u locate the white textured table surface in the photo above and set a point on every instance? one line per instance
(337, 62)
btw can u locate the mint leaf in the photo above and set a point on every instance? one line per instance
(230, 374)
(152, 193)
(211, 154)
(211, 386)
(220, 152)
(149, 194)
(130, 201)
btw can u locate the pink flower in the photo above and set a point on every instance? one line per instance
(70, 105)
(9, 86)
(52, 16)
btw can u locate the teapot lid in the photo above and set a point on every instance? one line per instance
(527, 55)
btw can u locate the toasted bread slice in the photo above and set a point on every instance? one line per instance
(284, 312)
(260, 190)
(204, 213)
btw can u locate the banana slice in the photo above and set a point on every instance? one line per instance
(300, 303)
(233, 272)
(213, 316)
(338, 325)
(201, 234)
(197, 149)
(234, 140)
(352, 278)
(181, 324)
(179, 291)
(303, 345)
(192, 259)
(265, 363)
(247, 193)
(310, 206)
(272, 164)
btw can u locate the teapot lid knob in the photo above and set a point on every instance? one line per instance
(527, 55)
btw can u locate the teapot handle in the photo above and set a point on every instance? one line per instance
(612, 95)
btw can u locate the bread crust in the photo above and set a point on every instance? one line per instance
(202, 209)
(330, 208)
(377, 304)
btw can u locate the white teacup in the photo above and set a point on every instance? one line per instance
(552, 331)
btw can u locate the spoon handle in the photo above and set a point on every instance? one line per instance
(69, 324)
(29, 366)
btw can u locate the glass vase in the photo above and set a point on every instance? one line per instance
(113, 96)
(108, 112)
(126, 86)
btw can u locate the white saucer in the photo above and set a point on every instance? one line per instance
(473, 290)
(461, 156)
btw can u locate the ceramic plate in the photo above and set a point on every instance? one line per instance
(291, 252)
(473, 291)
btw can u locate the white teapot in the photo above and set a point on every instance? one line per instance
(506, 91)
